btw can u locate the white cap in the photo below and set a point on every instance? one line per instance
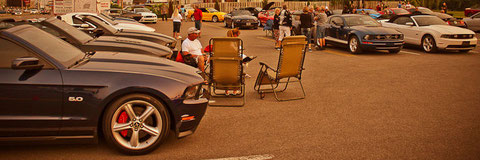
(192, 30)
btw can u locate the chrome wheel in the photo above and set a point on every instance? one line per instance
(215, 19)
(428, 44)
(142, 127)
(353, 45)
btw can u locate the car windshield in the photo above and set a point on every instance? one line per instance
(141, 10)
(361, 21)
(212, 10)
(107, 16)
(101, 24)
(55, 47)
(107, 19)
(241, 12)
(429, 20)
(425, 10)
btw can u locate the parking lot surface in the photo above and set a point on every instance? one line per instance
(373, 105)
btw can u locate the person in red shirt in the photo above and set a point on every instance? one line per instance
(197, 14)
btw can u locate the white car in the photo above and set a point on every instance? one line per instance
(34, 11)
(432, 33)
(147, 15)
(74, 19)
(473, 22)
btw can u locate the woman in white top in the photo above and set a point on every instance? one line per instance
(177, 21)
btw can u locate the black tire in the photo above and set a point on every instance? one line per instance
(394, 51)
(428, 44)
(354, 45)
(215, 19)
(259, 23)
(225, 22)
(256, 27)
(157, 122)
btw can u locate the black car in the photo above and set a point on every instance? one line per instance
(362, 32)
(88, 43)
(51, 90)
(241, 19)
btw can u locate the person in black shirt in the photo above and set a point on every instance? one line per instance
(306, 23)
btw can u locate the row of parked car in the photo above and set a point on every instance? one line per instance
(75, 76)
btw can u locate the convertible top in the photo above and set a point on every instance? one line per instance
(406, 15)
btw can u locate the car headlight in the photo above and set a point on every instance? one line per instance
(368, 37)
(238, 20)
(193, 92)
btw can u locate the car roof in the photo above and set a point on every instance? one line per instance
(410, 15)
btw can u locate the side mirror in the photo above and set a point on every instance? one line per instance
(26, 63)
(409, 24)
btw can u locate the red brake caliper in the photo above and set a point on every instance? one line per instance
(123, 119)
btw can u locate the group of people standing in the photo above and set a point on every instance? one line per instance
(309, 20)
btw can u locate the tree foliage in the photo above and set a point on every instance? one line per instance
(217, 6)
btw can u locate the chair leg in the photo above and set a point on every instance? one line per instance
(288, 99)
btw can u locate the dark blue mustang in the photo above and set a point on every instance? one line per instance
(361, 32)
(50, 90)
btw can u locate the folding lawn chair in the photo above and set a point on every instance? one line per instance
(226, 71)
(290, 65)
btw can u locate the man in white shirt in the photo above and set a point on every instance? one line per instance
(192, 46)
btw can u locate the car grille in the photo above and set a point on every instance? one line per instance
(248, 21)
(388, 37)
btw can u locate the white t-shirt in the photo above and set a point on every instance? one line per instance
(193, 47)
(177, 17)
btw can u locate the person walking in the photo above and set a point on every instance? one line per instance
(182, 11)
(285, 23)
(321, 19)
(306, 24)
(163, 12)
(177, 22)
(276, 25)
(198, 15)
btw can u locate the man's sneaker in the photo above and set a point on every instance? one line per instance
(310, 50)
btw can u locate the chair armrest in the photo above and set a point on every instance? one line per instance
(267, 66)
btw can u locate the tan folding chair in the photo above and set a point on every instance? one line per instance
(226, 71)
(290, 65)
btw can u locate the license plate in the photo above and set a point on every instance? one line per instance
(465, 43)
(249, 24)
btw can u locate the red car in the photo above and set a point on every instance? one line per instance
(390, 12)
(263, 16)
(470, 11)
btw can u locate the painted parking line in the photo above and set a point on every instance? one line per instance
(330, 51)
(407, 52)
(252, 157)
(265, 38)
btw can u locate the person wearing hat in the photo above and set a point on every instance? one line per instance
(192, 46)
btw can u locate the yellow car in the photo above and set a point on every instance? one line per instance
(209, 14)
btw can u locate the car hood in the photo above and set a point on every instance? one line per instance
(171, 39)
(142, 64)
(244, 17)
(147, 14)
(442, 16)
(375, 30)
(448, 29)
(133, 26)
(129, 45)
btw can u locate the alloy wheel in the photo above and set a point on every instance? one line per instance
(427, 44)
(142, 127)
(353, 44)
(215, 19)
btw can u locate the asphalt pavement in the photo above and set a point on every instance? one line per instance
(373, 105)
